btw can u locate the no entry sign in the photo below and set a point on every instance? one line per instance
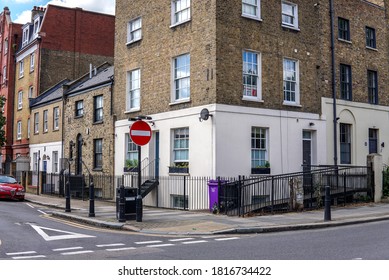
(140, 133)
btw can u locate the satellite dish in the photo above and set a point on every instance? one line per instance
(204, 114)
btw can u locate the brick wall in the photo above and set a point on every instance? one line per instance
(89, 130)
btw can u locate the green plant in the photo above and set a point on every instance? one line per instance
(130, 163)
(266, 165)
(385, 182)
(181, 164)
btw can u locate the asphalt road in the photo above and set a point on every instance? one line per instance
(27, 232)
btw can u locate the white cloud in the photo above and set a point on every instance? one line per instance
(23, 18)
(102, 6)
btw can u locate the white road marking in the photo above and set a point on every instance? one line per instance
(68, 235)
(194, 242)
(21, 253)
(77, 253)
(44, 213)
(120, 249)
(159, 245)
(29, 257)
(227, 238)
(147, 242)
(28, 204)
(110, 245)
(180, 239)
(67, 249)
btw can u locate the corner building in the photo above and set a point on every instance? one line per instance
(258, 70)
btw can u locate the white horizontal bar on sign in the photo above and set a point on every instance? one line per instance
(140, 133)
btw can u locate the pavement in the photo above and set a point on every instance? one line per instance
(178, 222)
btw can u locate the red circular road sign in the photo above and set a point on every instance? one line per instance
(140, 133)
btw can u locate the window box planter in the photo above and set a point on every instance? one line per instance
(130, 169)
(260, 170)
(178, 169)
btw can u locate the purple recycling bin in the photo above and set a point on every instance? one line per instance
(213, 193)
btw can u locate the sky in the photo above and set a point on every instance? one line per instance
(21, 9)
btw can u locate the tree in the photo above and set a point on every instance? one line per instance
(2, 121)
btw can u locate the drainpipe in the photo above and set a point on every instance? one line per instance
(335, 120)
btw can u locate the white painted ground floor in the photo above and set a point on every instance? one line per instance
(362, 129)
(47, 155)
(232, 142)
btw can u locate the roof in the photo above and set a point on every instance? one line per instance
(53, 94)
(102, 75)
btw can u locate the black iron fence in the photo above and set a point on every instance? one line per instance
(295, 191)
(232, 196)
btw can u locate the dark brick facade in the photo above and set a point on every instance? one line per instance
(217, 34)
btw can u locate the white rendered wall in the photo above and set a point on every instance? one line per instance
(221, 146)
(46, 149)
(361, 116)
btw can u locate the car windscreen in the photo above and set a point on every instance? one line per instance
(8, 180)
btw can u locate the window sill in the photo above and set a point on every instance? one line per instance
(252, 99)
(372, 49)
(133, 41)
(98, 169)
(78, 117)
(179, 23)
(292, 104)
(132, 110)
(56, 129)
(98, 122)
(180, 101)
(344, 41)
(291, 27)
(252, 17)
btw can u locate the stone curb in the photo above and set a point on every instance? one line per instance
(241, 230)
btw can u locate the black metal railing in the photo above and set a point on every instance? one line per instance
(295, 191)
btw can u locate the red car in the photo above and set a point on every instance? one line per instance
(10, 188)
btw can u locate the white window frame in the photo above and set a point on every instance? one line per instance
(247, 65)
(178, 12)
(28, 128)
(133, 90)
(257, 8)
(5, 45)
(4, 74)
(134, 30)
(35, 161)
(19, 130)
(176, 149)
(56, 118)
(36, 123)
(26, 32)
(32, 62)
(30, 91)
(131, 149)
(36, 26)
(287, 97)
(263, 146)
(20, 100)
(21, 68)
(178, 80)
(54, 157)
(45, 120)
(293, 15)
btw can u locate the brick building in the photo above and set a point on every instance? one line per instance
(10, 35)
(263, 72)
(59, 43)
(89, 122)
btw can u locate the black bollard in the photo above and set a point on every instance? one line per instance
(91, 199)
(67, 196)
(122, 205)
(139, 208)
(327, 204)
